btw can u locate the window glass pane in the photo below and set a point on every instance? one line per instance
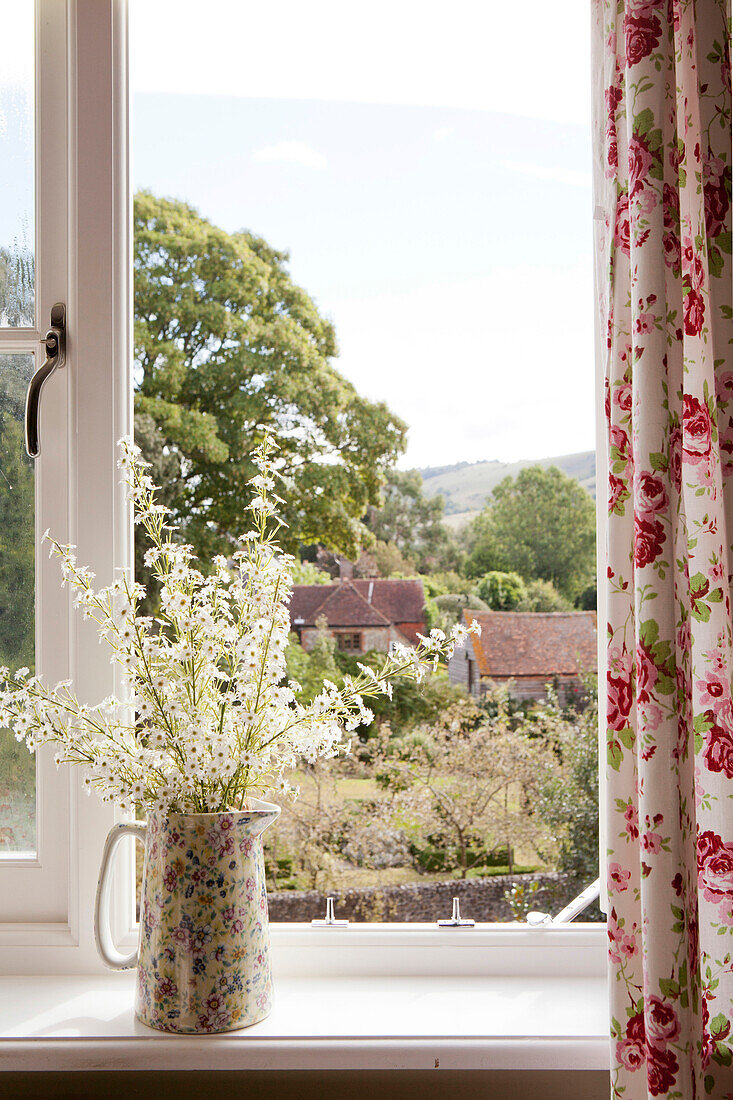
(17, 164)
(17, 599)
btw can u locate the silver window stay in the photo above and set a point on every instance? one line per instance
(572, 910)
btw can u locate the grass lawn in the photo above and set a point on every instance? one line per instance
(337, 790)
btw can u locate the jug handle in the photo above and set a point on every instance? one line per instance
(109, 954)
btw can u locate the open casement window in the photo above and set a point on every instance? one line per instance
(69, 106)
(63, 239)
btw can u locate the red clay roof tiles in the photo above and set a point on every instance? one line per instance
(514, 643)
(374, 602)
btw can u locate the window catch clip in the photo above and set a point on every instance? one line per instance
(456, 921)
(330, 920)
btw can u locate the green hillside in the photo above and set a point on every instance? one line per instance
(465, 486)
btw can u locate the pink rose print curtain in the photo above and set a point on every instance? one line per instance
(663, 199)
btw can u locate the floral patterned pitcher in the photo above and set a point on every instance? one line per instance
(203, 958)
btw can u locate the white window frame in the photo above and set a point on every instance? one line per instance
(83, 227)
(95, 224)
(37, 886)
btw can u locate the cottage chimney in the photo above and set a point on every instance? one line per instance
(346, 569)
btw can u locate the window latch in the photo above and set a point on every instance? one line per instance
(456, 920)
(55, 341)
(330, 920)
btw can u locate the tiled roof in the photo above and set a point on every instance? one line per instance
(306, 600)
(515, 643)
(358, 603)
(344, 606)
(400, 601)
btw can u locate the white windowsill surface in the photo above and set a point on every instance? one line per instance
(86, 1022)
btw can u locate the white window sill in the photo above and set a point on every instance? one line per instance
(69, 1023)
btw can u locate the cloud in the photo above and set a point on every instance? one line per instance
(442, 133)
(291, 152)
(545, 172)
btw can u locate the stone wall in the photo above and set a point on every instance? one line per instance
(481, 899)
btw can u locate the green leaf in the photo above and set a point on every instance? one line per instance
(701, 611)
(615, 755)
(644, 121)
(722, 1054)
(715, 262)
(665, 685)
(669, 988)
(649, 633)
(658, 461)
(627, 737)
(724, 242)
(719, 1025)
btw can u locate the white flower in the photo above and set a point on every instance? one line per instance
(212, 711)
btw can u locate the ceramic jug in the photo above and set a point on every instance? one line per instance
(203, 957)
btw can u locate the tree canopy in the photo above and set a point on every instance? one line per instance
(502, 591)
(540, 525)
(227, 347)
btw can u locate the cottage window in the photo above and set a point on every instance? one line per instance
(80, 209)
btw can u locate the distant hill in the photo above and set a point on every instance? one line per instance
(466, 485)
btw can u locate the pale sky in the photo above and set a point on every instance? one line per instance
(427, 166)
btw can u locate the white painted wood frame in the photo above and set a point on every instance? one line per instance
(83, 259)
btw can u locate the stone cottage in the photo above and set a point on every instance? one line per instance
(361, 614)
(529, 648)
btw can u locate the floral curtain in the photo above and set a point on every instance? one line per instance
(663, 211)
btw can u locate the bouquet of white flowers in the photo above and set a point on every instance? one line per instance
(211, 717)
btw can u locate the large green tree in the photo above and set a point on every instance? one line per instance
(227, 347)
(540, 525)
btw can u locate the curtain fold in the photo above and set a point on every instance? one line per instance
(662, 150)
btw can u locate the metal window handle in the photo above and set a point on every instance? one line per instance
(55, 341)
